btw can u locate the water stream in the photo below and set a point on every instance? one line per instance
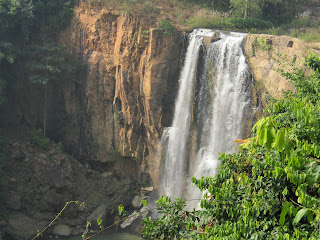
(211, 112)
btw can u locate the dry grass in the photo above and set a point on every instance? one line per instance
(157, 10)
(186, 16)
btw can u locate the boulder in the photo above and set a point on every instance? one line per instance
(99, 213)
(49, 175)
(23, 227)
(52, 198)
(62, 230)
(18, 154)
(107, 174)
(136, 202)
(135, 218)
(146, 190)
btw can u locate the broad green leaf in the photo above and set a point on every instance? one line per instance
(280, 141)
(262, 134)
(284, 213)
(257, 125)
(299, 215)
(310, 217)
(144, 202)
(270, 137)
(120, 208)
(99, 221)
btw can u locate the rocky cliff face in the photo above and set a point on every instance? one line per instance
(127, 94)
(113, 116)
(265, 52)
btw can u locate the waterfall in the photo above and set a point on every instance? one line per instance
(213, 110)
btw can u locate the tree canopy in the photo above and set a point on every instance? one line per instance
(23, 23)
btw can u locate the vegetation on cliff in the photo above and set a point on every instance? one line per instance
(271, 188)
(264, 16)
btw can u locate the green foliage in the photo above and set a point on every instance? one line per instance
(16, 16)
(144, 202)
(120, 119)
(271, 188)
(172, 223)
(264, 9)
(302, 22)
(246, 8)
(214, 22)
(99, 222)
(145, 35)
(52, 16)
(40, 140)
(308, 36)
(121, 211)
(231, 23)
(21, 23)
(166, 27)
(52, 62)
(59, 148)
(16, 22)
(260, 43)
(249, 23)
(84, 235)
(253, 15)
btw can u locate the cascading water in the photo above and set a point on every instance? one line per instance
(175, 138)
(219, 103)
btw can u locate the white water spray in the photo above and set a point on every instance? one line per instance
(220, 102)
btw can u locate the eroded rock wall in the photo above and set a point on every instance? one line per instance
(128, 93)
(265, 52)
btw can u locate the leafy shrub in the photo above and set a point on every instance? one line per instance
(40, 140)
(232, 23)
(302, 22)
(120, 118)
(214, 22)
(308, 36)
(52, 16)
(59, 147)
(166, 27)
(171, 224)
(261, 43)
(249, 23)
